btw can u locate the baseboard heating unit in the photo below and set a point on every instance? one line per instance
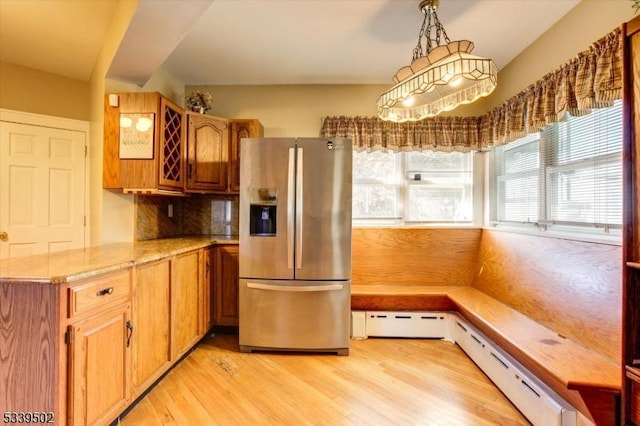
(535, 400)
(539, 403)
(428, 325)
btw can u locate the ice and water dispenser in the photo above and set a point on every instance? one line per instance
(262, 212)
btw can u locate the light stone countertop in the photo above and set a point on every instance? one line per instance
(73, 265)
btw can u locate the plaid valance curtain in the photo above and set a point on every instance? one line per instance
(591, 80)
(437, 133)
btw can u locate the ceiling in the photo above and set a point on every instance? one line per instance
(67, 45)
(236, 42)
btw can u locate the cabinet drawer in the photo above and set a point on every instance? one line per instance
(103, 291)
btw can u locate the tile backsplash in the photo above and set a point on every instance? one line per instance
(163, 217)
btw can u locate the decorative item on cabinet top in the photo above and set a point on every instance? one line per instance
(152, 146)
(198, 101)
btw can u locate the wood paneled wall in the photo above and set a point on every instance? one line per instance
(571, 287)
(414, 256)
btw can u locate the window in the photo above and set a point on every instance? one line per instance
(568, 176)
(517, 168)
(412, 187)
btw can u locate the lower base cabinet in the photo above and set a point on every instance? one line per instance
(99, 348)
(116, 354)
(226, 285)
(207, 260)
(99, 367)
(168, 304)
(187, 305)
(151, 314)
(82, 352)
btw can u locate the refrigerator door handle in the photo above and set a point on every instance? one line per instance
(290, 207)
(299, 204)
(299, 288)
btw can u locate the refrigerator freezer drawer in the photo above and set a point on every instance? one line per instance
(294, 315)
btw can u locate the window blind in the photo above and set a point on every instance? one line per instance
(517, 180)
(583, 163)
(568, 175)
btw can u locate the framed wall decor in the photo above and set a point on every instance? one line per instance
(136, 135)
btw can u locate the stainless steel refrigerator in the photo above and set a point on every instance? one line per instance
(295, 244)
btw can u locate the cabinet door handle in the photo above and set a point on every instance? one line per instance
(104, 291)
(129, 332)
(189, 169)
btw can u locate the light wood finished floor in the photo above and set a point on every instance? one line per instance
(381, 382)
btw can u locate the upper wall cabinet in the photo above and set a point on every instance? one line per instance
(213, 152)
(240, 128)
(152, 146)
(207, 153)
(144, 144)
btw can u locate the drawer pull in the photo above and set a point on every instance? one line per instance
(104, 291)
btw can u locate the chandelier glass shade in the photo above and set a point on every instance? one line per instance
(446, 76)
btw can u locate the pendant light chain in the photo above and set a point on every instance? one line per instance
(442, 75)
(430, 26)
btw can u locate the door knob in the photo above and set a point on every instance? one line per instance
(4, 236)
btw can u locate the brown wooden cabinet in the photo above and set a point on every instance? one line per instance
(151, 316)
(207, 153)
(240, 128)
(226, 285)
(99, 337)
(187, 304)
(181, 151)
(631, 225)
(81, 352)
(70, 356)
(213, 152)
(99, 366)
(172, 297)
(208, 294)
(144, 160)
(33, 370)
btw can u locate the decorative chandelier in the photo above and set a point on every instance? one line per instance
(440, 79)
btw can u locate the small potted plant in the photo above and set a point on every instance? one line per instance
(199, 102)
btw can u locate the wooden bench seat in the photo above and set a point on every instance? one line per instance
(586, 379)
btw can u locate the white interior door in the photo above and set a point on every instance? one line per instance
(42, 189)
